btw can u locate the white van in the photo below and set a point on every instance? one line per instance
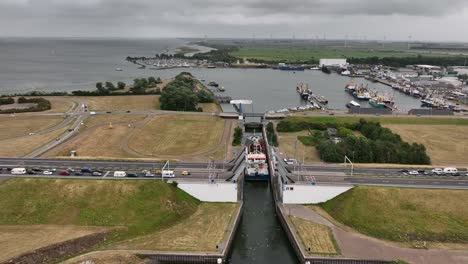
(120, 174)
(18, 171)
(450, 170)
(167, 174)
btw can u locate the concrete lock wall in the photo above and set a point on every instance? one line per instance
(211, 192)
(311, 194)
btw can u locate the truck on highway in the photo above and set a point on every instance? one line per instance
(450, 170)
(167, 174)
(120, 174)
(18, 171)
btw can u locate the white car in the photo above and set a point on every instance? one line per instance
(413, 172)
(438, 171)
(290, 161)
(47, 172)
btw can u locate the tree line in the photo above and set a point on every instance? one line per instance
(182, 94)
(41, 104)
(377, 145)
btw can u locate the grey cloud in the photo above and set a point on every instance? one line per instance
(218, 17)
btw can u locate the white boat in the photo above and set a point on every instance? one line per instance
(346, 73)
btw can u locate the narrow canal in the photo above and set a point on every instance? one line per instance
(260, 237)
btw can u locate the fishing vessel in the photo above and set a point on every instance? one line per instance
(361, 93)
(256, 160)
(350, 87)
(377, 102)
(303, 90)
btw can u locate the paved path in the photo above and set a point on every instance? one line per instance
(354, 245)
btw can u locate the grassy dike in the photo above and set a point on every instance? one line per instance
(404, 214)
(139, 206)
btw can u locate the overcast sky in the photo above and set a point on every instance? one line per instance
(426, 20)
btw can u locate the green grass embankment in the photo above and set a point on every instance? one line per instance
(140, 206)
(404, 214)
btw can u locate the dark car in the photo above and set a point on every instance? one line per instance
(132, 175)
(37, 170)
(403, 171)
(86, 170)
(422, 171)
(77, 173)
(31, 172)
(128, 111)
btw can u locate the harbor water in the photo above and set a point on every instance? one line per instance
(77, 64)
(260, 238)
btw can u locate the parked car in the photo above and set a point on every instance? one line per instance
(413, 172)
(185, 173)
(47, 172)
(64, 173)
(438, 171)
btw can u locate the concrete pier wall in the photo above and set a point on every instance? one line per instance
(211, 192)
(311, 194)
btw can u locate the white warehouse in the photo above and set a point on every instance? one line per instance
(333, 63)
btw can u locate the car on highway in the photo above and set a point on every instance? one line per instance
(47, 172)
(132, 175)
(149, 174)
(290, 161)
(31, 172)
(64, 173)
(185, 173)
(438, 171)
(77, 173)
(71, 170)
(413, 172)
(86, 170)
(97, 173)
(404, 171)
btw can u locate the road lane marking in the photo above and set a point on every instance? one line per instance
(105, 175)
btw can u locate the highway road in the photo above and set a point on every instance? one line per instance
(65, 163)
(329, 168)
